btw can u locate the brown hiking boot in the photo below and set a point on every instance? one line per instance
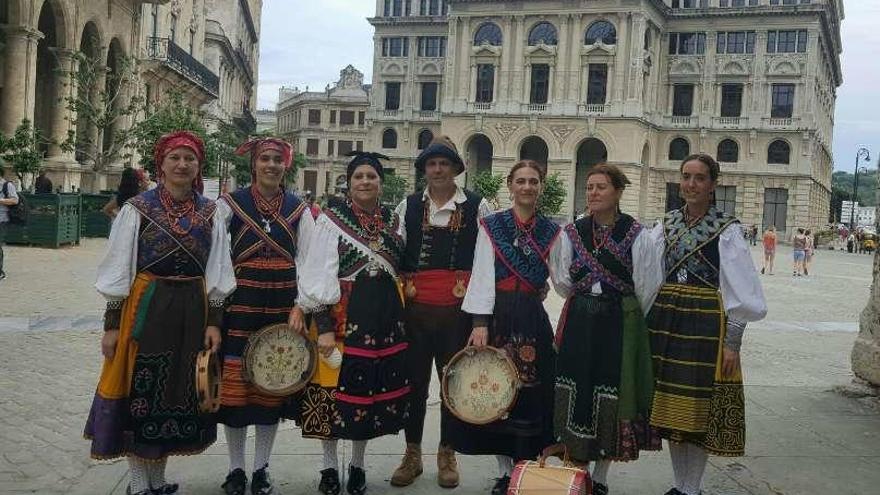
(410, 467)
(447, 468)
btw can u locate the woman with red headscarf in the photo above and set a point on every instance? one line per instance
(270, 229)
(166, 275)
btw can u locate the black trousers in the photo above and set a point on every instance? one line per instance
(2, 241)
(435, 334)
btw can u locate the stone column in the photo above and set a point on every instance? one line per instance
(19, 83)
(866, 351)
(61, 116)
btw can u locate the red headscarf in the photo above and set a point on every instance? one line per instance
(180, 139)
(256, 146)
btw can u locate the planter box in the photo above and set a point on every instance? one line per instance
(94, 222)
(53, 221)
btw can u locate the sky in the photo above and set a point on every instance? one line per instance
(307, 42)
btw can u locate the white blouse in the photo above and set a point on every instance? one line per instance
(739, 284)
(440, 216)
(118, 269)
(319, 274)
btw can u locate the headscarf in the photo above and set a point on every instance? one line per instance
(365, 158)
(256, 147)
(441, 146)
(180, 139)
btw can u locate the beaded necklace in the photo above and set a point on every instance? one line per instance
(600, 238)
(269, 209)
(372, 225)
(523, 234)
(176, 210)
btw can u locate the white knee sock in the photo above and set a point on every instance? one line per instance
(678, 453)
(263, 441)
(156, 472)
(600, 471)
(331, 458)
(235, 438)
(697, 458)
(505, 465)
(358, 451)
(139, 477)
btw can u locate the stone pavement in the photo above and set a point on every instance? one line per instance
(809, 430)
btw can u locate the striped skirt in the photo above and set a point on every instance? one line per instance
(693, 402)
(265, 295)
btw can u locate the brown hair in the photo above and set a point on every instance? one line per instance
(618, 179)
(707, 160)
(541, 169)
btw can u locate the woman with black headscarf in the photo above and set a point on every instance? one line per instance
(350, 284)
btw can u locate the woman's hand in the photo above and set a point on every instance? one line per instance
(729, 363)
(297, 320)
(212, 338)
(326, 343)
(108, 343)
(479, 337)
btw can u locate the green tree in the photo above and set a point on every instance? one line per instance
(104, 106)
(22, 150)
(168, 115)
(550, 202)
(393, 189)
(488, 186)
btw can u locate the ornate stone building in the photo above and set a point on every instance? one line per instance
(637, 83)
(325, 125)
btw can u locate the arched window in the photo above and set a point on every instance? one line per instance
(728, 151)
(488, 33)
(601, 31)
(389, 139)
(779, 152)
(425, 138)
(543, 32)
(679, 148)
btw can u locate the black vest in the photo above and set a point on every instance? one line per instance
(440, 248)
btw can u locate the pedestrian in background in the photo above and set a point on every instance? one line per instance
(799, 247)
(8, 198)
(808, 251)
(754, 235)
(132, 183)
(42, 185)
(769, 250)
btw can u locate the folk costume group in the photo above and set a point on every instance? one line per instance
(647, 345)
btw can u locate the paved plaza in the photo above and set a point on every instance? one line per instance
(810, 431)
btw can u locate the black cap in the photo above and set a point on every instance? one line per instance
(441, 146)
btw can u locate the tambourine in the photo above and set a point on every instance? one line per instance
(480, 385)
(208, 371)
(278, 361)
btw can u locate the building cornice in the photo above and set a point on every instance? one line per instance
(249, 20)
(409, 21)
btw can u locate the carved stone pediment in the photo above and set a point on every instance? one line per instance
(686, 66)
(541, 49)
(732, 65)
(506, 130)
(486, 50)
(789, 65)
(393, 68)
(598, 48)
(561, 132)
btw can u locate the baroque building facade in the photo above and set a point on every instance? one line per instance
(173, 42)
(324, 126)
(636, 83)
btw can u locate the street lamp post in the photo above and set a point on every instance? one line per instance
(862, 154)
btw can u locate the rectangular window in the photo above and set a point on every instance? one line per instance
(736, 42)
(345, 147)
(394, 8)
(485, 83)
(155, 18)
(395, 47)
(361, 117)
(687, 43)
(314, 117)
(346, 117)
(330, 147)
(731, 100)
(782, 105)
(332, 116)
(597, 84)
(673, 196)
(173, 28)
(429, 96)
(686, 4)
(775, 208)
(432, 46)
(429, 7)
(787, 41)
(683, 100)
(392, 96)
(725, 199)
(312, 147)
(360, 146)
(540, 89)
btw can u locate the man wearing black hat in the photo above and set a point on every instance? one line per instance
(440, 228)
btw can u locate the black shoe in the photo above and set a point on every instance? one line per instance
(142, 492)
(599, 488)
(236, 483)
(501, 485)
(2, 274)
(357, 481)
(166, 489)
(261, 484)
(329, 484)
(673, 491)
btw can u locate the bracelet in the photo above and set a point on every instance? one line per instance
(115, 304)
(217, 303)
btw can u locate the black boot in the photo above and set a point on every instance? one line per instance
(329, 484)
(600, 488)
(357, 481)
(261, 484)
(501, 485)
(166, 489)
(236, 483)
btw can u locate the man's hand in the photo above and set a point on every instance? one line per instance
(729, 363)
(479, 337)
(297, 320)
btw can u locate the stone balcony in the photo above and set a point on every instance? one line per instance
(167, 57)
